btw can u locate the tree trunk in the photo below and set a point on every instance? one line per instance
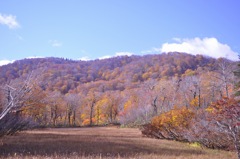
(69, 117)
(110, 114)
(154, 104)
(52, 116)
(91, 114)
(237, 144)
(74, 117)
(199, 98)
(55, 116)
(98, 115)
(226, 88)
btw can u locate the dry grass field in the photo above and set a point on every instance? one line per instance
(100, 142)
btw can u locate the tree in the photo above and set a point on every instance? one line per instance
(225, 75)
(225, 115)
(171, 124)
(218, 126)
(18, 95)
(152, 94)
(36, 107)
(72, 103)
(91, 101)
(111, 106)
(55, 105)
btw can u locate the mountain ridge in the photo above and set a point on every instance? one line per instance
(69, 74)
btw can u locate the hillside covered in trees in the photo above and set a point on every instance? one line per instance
(117, 73)
(173, 96)
(124, 89)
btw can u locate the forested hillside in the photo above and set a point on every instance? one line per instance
(127, 90)
(173, 96)
(116, 73)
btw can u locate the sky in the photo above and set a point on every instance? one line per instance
(88, 29)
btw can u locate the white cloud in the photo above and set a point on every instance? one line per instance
(34, 57)
(9, 20)
(105, 57)
(55, 43)
(123, 54)
(5, 62)
(206, 46)
(116, 55)
(85, 58)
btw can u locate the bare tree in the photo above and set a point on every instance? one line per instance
(55, 103)
(17, 95)
(225, 75)
(73, 102)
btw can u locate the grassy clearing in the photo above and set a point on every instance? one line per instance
(100, 142)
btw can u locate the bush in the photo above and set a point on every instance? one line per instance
(216, 127)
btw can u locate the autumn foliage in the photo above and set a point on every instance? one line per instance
(174, 95)
(171, 123)
(216, 126)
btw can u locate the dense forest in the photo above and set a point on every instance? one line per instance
(165, 93)
(110, 90)
(117, 73)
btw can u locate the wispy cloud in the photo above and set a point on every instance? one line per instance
(5, 62)
(116, 55)
(9, 20)
(86, 58)
(55, 43)
(206, 46)
(152, 51)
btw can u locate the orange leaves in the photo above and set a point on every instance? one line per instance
(225, 117)
(177, 117)
(127, 105)
(171, 124)
(34, 104)
(226, 111)
(195, 103)
(88, 122)
(224, 106)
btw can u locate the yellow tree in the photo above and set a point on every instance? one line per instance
(90, 102)
(171, 124)
(35, 106)
(112, 106)
(99, 110)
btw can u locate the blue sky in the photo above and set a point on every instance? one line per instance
(87, 29)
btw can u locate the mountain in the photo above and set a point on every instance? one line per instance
(117, 73)
(127, 89)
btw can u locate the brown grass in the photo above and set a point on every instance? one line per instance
(100, 142)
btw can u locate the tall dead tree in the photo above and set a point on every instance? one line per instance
(225, 75)
(17, 95)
